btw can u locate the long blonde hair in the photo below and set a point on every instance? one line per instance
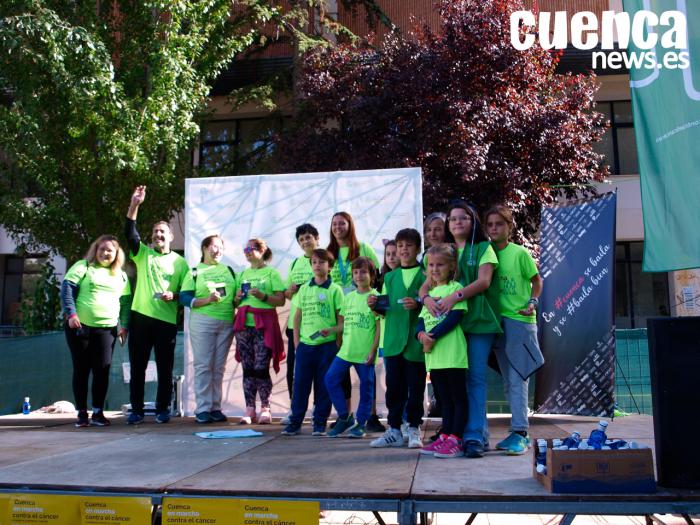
(91, 255)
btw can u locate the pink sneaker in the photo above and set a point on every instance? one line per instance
(449, 448)
(430, 449)
(250, 417)
(265, 417)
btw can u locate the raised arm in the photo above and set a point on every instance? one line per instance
(132, 235)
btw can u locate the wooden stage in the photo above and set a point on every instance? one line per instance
(48, 454)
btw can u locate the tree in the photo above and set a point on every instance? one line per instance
(100, 96)
(484, 121)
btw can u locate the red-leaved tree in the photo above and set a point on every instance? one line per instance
(484, 121)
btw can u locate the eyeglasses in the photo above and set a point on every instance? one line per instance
(459, 218)
(249, 249)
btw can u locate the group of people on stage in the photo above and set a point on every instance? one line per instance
(438, 311)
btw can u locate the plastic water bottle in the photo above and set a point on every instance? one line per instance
(573, 441)
(26, 407)
(598, 437)
(541, 457)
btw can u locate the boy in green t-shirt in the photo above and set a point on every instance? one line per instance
(318, 303)
(160, 274)
(517, 351)
(404, 362)
(360, 328)
(299, 273)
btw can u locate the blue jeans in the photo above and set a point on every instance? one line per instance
(310, 366)
(478, 350)
(334, 380)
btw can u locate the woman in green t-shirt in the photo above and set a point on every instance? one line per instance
(345, 249)
(257, 329)
(208, 291)
(95, 297)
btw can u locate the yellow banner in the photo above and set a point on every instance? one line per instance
(278, 512)
(4, 498)
(230, 511)
(42, 509)
(96, 510)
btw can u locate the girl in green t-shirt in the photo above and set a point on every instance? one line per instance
(257, 329)
(517, 350)
(477, 264)
(360, 328)
(445, 349)
(95, 296)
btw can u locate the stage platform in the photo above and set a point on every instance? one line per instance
(47, 453)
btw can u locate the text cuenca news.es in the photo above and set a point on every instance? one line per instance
(645, 31)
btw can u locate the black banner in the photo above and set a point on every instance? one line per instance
(576, 309)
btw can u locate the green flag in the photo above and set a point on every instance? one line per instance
(666, 103)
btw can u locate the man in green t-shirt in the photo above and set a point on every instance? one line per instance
(160, 275)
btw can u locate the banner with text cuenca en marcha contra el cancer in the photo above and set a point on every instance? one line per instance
(666, 104)
(576, 309)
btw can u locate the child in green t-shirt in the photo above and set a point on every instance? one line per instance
(318, 303)
(517, 351)
(404, 362)
(298, 274)
(445, 349)
(360, 328)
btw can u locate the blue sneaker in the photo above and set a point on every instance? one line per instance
(510, 440)
(319, 430)
(134, 418)
(203, 418)
(341, 425)
(291, 430)
(357, 431)
(519, 446)
(163, 416)
(217, 416)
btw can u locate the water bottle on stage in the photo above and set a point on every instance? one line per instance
(26, 407)
(598, 437)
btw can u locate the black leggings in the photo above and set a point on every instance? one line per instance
(451, 388)
(91, 351)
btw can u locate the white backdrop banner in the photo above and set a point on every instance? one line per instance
(271, 207)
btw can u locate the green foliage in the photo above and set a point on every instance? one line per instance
(103, 97)
(41, 310)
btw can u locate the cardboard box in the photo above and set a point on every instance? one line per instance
(629, 471)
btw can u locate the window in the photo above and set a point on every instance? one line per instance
(237, 146)
(22, 274)
(618, 143)
(638, 295)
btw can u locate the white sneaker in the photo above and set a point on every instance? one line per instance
(390, 438)
(265, 417)
(285, 419)
(414, 439)
(404, 431)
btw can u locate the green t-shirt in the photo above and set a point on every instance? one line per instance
(300, 272)
(359, 327)
(156, 273)
(341, 273)
(449, 351)
(99, 291)
(515, 269)
(408, 274)
(319, 306)
(266, 279)
(489, 256)
(209, 278)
